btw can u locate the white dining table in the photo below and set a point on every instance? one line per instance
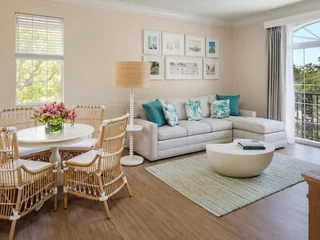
(35, 137)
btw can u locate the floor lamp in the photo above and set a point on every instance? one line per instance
(132, 75)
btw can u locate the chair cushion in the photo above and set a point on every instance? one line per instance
(28, 151)
(234, 103)
(167, 132)
(31, 165)
(85, 145)
(170, 113)
(180, 107)
(195, 127)
(193, 110)
(256, 125)
(204, 102)
(154, 112)
(85, 157)
(217, 124)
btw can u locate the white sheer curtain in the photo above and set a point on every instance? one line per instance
(287, 82)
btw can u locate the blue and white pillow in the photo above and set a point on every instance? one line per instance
(170, 114)
(193, 110)
(220, 109)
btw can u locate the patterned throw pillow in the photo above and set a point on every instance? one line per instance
(193, 109)
(220, 109)
(170, 114)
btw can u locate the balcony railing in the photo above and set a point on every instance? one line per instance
(307, 115)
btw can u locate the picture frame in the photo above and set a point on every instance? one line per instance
(195, 46)
(212, 47)
(152, 42)
(184, 68)
(210, 68)
(156, 67)
(172, 44)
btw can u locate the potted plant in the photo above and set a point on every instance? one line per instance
(53, 116)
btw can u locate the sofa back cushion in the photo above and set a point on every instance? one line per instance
(204, 102)
(180, 107)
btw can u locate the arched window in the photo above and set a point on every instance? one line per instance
(306, 65)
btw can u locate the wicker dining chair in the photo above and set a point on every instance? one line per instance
(97, 174)
(86, 114)
(21, 118)
(24, 185)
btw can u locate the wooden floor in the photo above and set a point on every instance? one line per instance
(159, 212)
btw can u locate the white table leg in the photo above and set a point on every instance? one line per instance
(131, 160)
(55, 157)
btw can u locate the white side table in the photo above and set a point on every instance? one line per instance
(132, 160)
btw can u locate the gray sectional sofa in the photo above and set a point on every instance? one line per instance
(155, 143)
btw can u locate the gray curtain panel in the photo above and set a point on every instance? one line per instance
(274, 72)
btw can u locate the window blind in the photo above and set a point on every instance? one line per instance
(39, 36)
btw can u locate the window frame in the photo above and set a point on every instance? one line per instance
(303, 46)
(43, 57)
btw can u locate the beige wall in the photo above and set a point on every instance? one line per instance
(96, 38)
(250, 67)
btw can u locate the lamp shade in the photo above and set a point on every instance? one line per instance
(132, 74)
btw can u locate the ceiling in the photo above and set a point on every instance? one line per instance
(224, 10)
(230, 13)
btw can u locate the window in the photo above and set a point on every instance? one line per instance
(306, 65)
(39, 59)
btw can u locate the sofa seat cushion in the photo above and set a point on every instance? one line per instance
(256, 125)
(217, 124)
(167, 132)
(195, 127)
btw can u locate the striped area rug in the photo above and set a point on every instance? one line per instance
(196, 179)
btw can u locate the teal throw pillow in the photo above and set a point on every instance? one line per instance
(234, 103)
(220, 109)
(170, 114)
(193, 110)
(154, 112)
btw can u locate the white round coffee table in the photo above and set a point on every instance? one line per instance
(230, 160)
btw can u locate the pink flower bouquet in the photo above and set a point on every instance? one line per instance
(55, 114)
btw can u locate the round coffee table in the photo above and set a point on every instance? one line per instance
(230, 160)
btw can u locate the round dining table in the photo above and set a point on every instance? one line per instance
(36, 137)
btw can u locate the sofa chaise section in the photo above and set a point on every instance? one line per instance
(261, 129)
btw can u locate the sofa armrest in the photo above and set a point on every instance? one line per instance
(247, 113)
(146, 142)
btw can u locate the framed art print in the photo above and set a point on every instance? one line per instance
(210, 68)
(195, 46)
(156, 66)
(180, 68)
(212, 47)
(172, 44)
(152, 42)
